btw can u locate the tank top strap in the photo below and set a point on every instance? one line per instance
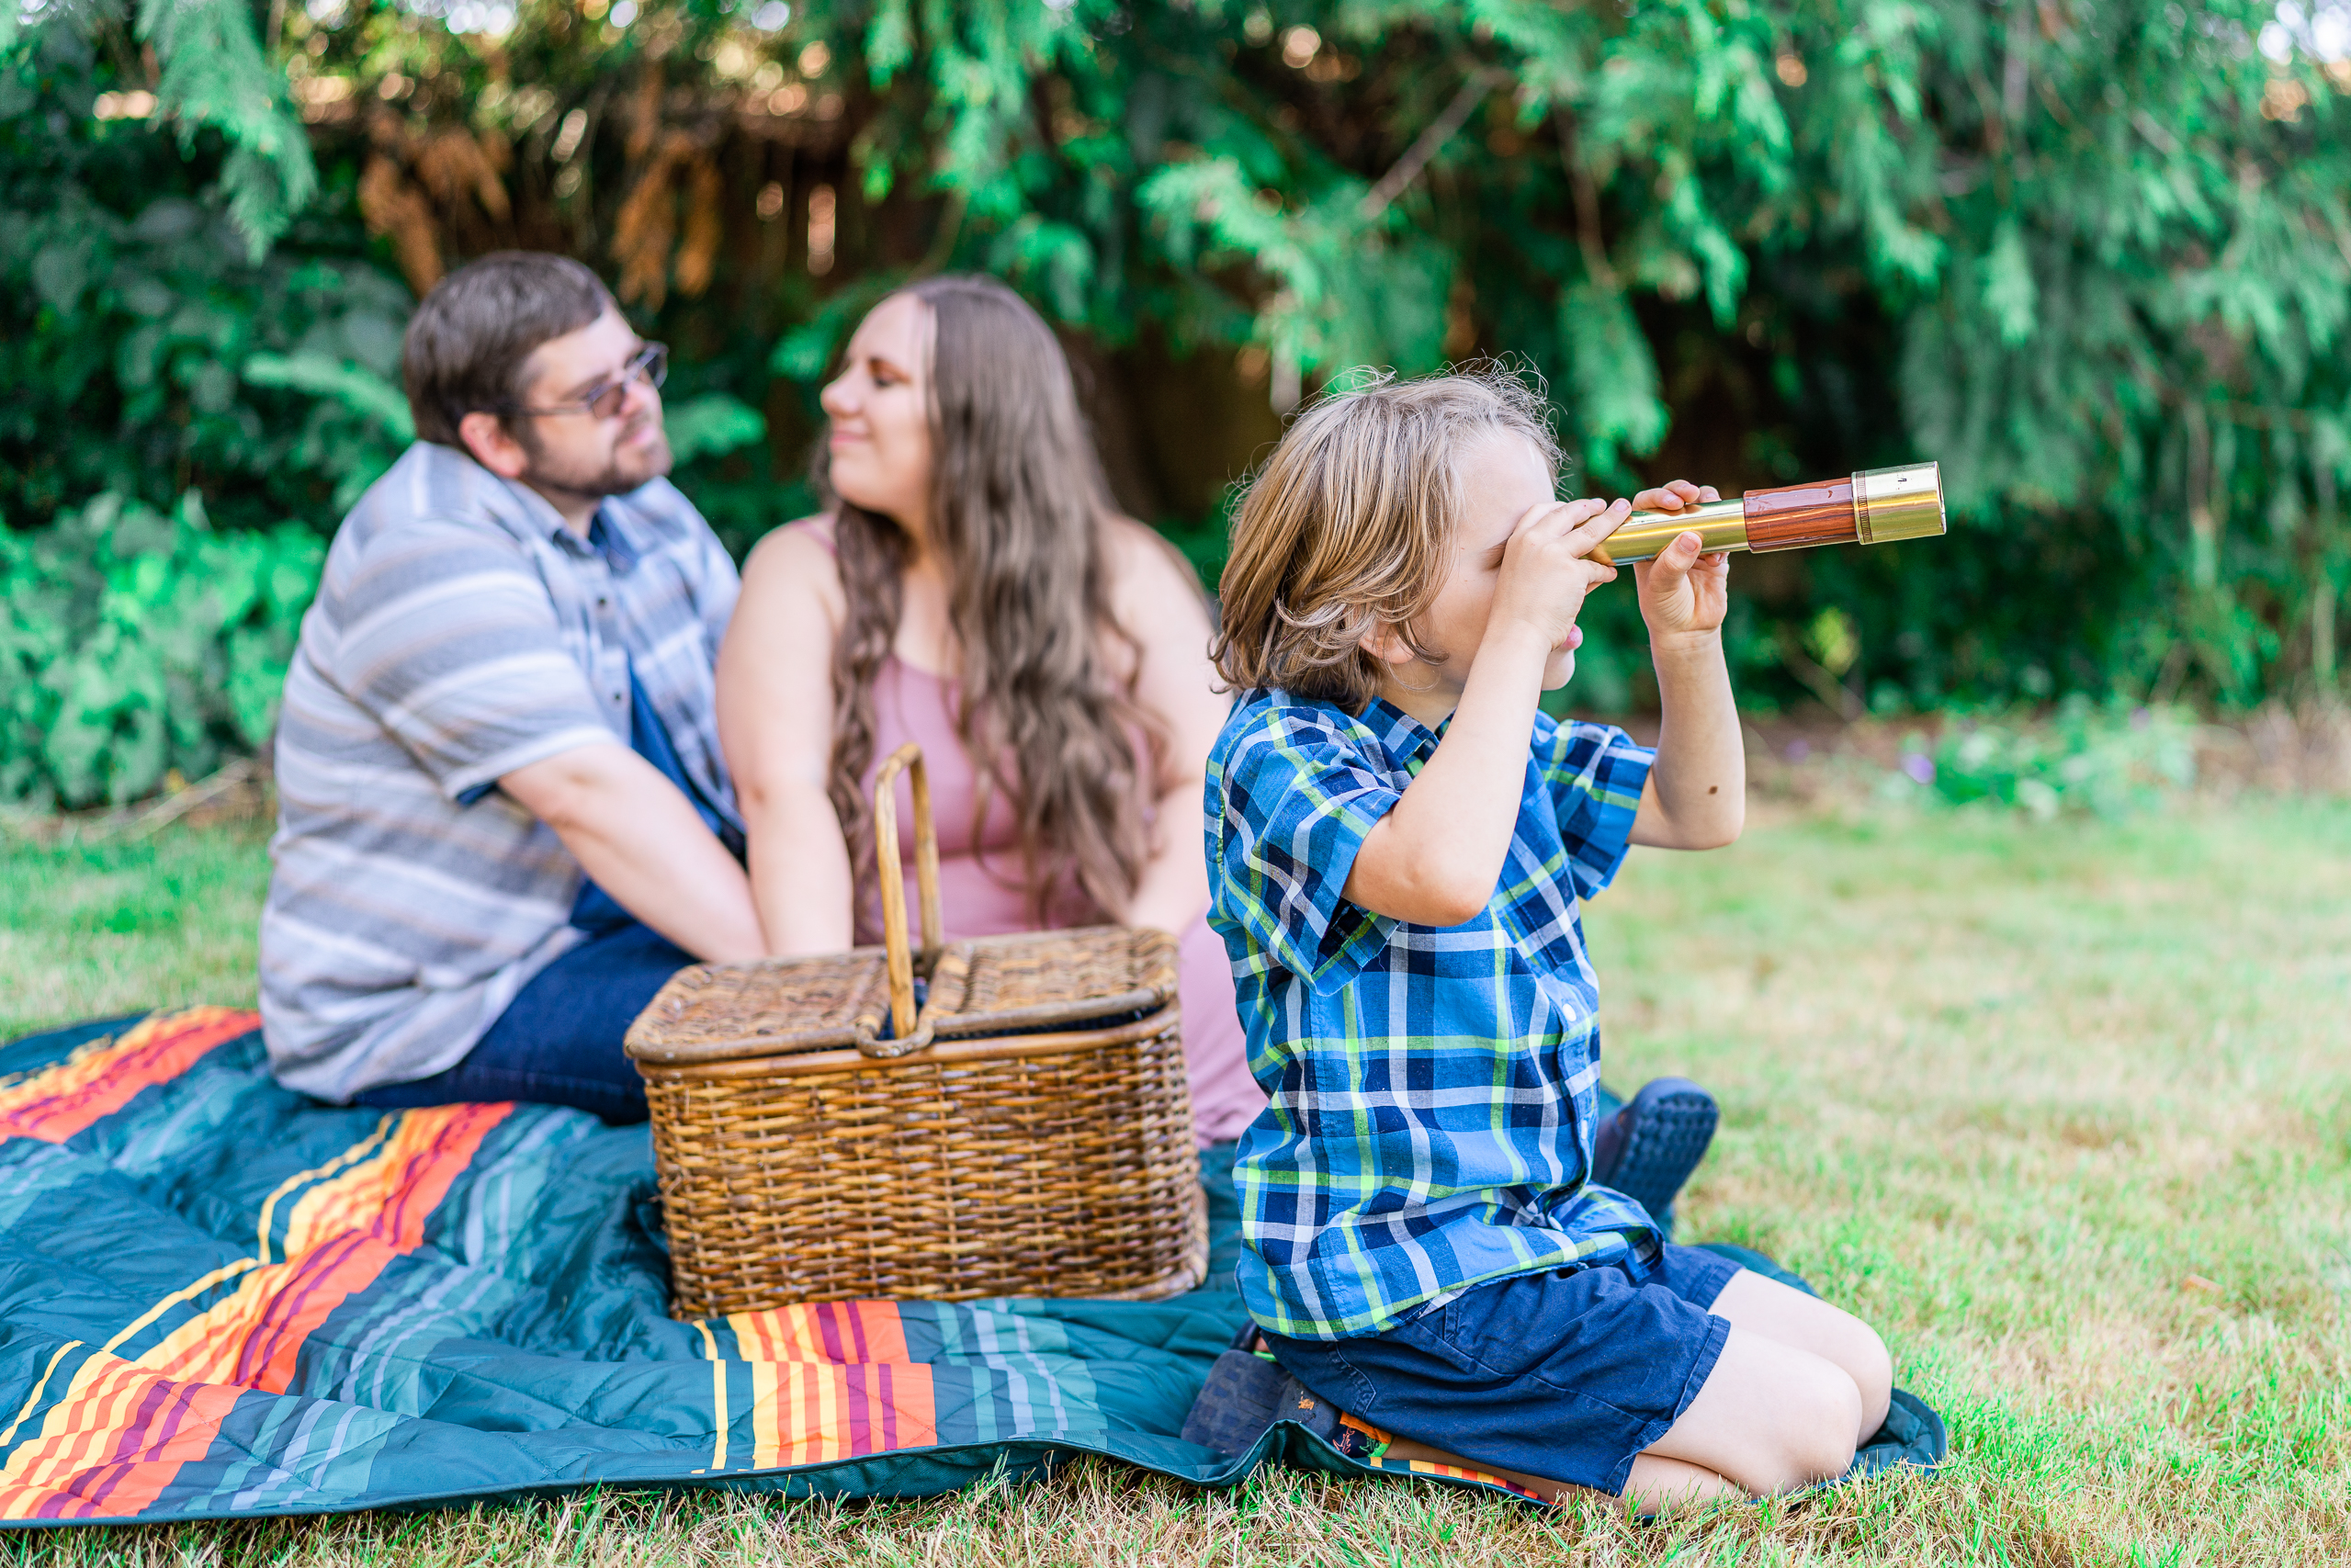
(820, 528)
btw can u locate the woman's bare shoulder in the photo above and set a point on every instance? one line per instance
(793, 563)
(1143, 565)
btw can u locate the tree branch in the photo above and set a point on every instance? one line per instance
(1430, 141)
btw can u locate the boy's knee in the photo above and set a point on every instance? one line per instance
(1818, 1434)
(1858, 1349)
(1872, 1369)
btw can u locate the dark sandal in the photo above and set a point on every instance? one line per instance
(1648, 1149)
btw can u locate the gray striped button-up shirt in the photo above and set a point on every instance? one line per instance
(461, 632)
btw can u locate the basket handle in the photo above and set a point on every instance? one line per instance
(905, 759)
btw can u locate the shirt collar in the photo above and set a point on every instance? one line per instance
(1406, 738)
(609, 536)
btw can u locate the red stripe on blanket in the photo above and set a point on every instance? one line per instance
(343, 1235)
(834, 1333)
(112, 1443)
(120, 1433)
(807, 1413)
(57, 1102)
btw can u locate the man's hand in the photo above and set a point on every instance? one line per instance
(1546, 564)
(1684, 592)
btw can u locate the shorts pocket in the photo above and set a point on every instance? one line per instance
(1464, 1336)
(1354, 1391)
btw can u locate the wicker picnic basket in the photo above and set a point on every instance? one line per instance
(1027, 1131)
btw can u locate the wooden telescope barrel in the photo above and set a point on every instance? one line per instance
(1876, 506)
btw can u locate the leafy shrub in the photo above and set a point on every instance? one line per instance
(2090, 257)
(134, 643)
(2108, 761)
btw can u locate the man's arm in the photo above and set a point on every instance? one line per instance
(642, 841)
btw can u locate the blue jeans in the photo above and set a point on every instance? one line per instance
(558, 1040)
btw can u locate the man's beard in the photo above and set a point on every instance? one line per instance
(616, 477)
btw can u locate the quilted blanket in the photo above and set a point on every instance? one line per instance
(221, 1298)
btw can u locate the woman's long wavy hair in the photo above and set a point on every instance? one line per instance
(1018, 507)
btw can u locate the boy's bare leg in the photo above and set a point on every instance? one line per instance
(1779, 1312)
(1657, 1485)
(1770, 1418)
(1799, 1385)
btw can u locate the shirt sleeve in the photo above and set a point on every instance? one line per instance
(447, 637)
(1594, 772)
(1289, 800)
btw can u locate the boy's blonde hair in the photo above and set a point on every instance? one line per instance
(1350, 528)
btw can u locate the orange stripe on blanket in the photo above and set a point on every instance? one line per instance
(828, 1333)
(57, 1102)
(804, 1413)
(111, 1443)
(393, 1191)
(340, 1238)
(1458, 1472)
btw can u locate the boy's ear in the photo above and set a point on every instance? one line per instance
(1384, 643)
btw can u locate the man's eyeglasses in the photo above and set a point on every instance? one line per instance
(605, 398)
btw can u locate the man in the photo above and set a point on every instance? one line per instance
(504, 817)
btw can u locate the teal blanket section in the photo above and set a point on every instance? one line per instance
(223, 1299)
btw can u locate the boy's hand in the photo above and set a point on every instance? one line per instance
(1683, 593)
(1546, 569)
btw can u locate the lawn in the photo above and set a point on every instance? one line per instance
(2064, 1109)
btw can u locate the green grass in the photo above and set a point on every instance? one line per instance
(2065, 1110)
(115, 927)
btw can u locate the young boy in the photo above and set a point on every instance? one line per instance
(1397, 837)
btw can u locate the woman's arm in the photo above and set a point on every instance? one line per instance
(776, 726)
(1158, 602)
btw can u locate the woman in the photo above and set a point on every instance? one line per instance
(971, 588)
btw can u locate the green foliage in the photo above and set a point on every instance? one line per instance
(141, 351)
(712, 423)
(214, 77)
(133, 644)
(2097, 260)
(2094, 258)
(2108, 761)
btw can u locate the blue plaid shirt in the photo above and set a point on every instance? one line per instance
(1432, 1088)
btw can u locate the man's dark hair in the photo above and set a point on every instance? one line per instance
(467, 342)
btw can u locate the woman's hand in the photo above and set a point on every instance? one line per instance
(1685, 592)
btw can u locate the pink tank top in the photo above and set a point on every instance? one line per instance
(980, 892)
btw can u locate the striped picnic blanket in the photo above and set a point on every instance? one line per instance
(219, 1297)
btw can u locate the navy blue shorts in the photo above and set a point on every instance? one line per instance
(1566, 1375)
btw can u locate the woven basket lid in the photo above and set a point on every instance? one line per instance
(990, 986)
(1005, 984)
(714, 1011)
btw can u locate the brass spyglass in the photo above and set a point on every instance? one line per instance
(1876, 506)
